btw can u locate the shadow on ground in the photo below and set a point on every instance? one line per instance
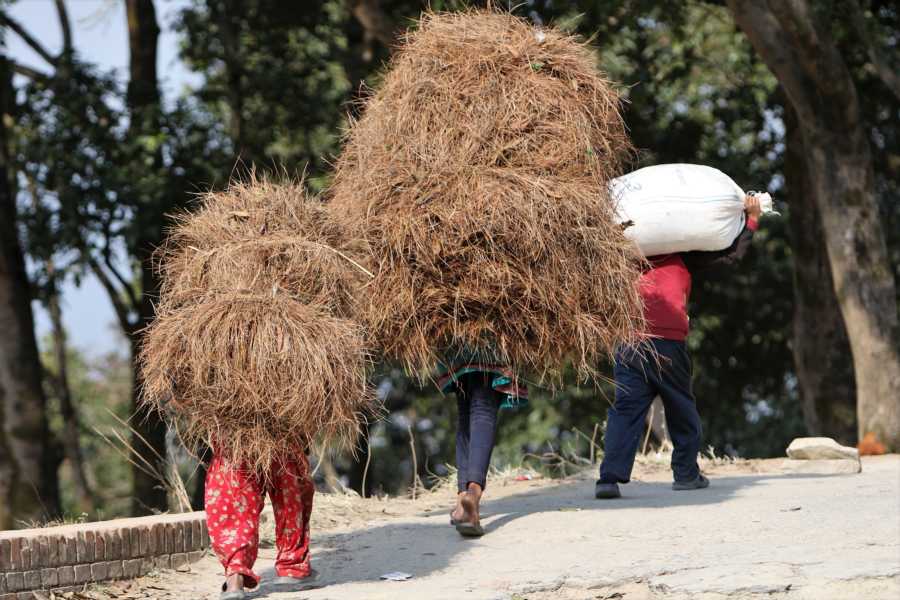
(428, 544)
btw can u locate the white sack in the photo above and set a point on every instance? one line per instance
(680, 208)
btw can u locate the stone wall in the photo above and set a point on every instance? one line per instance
(68, 557)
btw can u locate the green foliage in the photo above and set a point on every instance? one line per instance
(277, 82)
(273, 72)
(101, 389)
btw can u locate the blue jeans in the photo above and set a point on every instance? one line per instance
(639, 379)
(476, 430)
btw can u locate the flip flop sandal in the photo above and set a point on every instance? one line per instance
(469, 529)
(235, 595)
(284, 580)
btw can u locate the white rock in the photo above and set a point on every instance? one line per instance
(834, 466)
(813, 448)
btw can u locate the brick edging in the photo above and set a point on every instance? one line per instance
(61, 557)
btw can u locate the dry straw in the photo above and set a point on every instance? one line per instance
(251, 352)
(477, 179)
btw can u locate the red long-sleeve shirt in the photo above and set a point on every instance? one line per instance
(666, 286)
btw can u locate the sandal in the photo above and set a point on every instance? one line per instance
(285, 580)
(469, 529)
(233, 595)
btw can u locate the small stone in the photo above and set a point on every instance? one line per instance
(821, 467)
(815, 448)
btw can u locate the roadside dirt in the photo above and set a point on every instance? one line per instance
(755, 533)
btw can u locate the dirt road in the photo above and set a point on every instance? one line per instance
(755, 533)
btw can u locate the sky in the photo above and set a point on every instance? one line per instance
(100, 36)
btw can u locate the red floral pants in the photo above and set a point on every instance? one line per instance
(234, 500)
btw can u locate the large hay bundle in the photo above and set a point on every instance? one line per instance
(251, 352)
(477, 177)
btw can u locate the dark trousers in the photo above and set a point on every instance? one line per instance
(476, 430)
(638, 381)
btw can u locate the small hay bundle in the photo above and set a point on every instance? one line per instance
(257, 236)
(251, 352)
(477, 179)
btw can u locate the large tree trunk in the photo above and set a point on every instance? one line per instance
(24, 405)
(820, 345)
(804, 58)
(9, 472)
(144, 103)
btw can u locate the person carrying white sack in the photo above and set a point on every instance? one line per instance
(662, 366)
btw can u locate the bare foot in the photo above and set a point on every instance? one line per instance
(457, 513)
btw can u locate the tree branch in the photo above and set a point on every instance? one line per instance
(65, 24)
(126, 286)
(33, 74)
(883, 68)
(26, 37)
(114, 296)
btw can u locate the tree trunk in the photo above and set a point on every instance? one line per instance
(149, 429)
(144, 104)
(9, 471)
(71, 422)
(234, 76)
(807, 62)
(826, 385)
(25, 419)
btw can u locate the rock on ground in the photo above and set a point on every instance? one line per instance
(755, 533)
(820, 448)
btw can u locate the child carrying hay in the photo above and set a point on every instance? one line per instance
(251, 355)
(477, 179)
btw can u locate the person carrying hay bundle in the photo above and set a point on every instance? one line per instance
(252, 356)
(477, 179)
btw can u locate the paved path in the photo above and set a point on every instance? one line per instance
(750, 535)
